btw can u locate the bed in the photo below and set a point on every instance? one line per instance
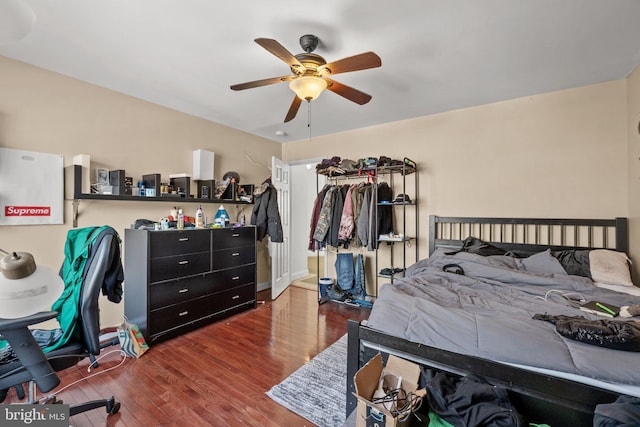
(480, 322)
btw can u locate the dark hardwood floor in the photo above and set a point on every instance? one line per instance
(216, 375)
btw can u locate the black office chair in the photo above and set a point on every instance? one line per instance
(33, 366)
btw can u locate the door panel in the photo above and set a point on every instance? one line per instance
(280, 252)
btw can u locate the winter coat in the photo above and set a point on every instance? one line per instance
(265, 215)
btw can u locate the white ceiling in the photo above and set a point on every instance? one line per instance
(437, 55)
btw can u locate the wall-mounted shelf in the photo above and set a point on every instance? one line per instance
(79, 195)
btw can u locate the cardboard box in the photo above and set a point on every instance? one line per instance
(367, 381)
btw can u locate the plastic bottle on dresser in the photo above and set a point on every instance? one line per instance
(180, 219)
(221, 216)
(199, 218)
(173, 213)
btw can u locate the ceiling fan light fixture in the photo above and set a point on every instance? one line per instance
(308, 87)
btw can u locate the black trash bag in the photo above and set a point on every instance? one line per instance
(615, 334)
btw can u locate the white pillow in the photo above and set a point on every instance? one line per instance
(610, 267)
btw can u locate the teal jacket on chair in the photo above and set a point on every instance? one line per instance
(77, 251)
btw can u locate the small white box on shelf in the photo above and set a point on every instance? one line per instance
(203, 164)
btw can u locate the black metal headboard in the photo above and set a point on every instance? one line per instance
(530, 235)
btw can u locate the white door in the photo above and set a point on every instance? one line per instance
(280, 252)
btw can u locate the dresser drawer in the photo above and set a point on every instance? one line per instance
(166, 318)
(233, 297)
(233, 257)
(177, 291)
(175, 242)
(234, 277)
(179, 266)
(225, 238)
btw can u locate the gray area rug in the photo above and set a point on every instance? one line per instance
(317, 390)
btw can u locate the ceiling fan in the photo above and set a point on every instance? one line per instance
(311, 73)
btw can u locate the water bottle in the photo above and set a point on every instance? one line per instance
(180, 219)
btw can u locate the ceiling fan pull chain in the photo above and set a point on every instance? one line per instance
(309, 119)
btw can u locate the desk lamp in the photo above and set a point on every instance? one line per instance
(26, 291)
(24, 288)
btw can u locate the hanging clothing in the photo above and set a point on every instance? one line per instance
(346, 221)
(349, 215)
(324, 220)
(338, 204)
(358, 196)
(345, 271)
(359, 286)
(315, 216)
(363, 219)
(385, 213)
(265, 215)
(372, 243)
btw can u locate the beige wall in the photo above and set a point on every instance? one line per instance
(633, 129)
(47, 112)
(570, 153)
(561, 154)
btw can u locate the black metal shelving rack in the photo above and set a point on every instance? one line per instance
(407, 169)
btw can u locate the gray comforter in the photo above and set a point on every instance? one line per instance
(488, 313)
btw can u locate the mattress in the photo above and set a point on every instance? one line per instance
(488, 312)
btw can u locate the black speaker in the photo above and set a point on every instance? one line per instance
(152, 181)
(116, 181)
(206, 188)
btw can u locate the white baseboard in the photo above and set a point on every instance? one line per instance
(264, 285)
(299, 274)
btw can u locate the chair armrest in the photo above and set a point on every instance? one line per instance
(23, 322)
(17, 333)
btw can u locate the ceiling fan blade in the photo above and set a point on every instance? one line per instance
(281, 52)
(264, 82)
(293, 110)
(348, 92)
(362, 61)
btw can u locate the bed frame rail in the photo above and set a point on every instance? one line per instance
(529, 235)
(553, 400)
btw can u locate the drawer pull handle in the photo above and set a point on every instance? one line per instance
(183, 262)
(182, 291)
(184, 313)
(183, 239)
(235, 297)
(236, 235)
(235, 278)
(235, 254)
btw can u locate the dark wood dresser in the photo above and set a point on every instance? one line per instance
(179, 280)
